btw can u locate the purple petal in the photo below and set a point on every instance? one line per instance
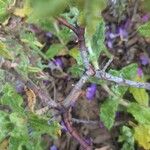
(53, 147)
(113, 35)
(64, 128)
(91, 91)
(145, 18)
(123, 33)
(110, 44)
(140, 72)
(144, 59)
(58, 61)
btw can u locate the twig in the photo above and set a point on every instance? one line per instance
(79, 31)
(74, 133)
(75, 92)
(121, 81)
(108, 63)
(92, 122)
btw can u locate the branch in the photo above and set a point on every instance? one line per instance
(74, 133)
(79, 31)
(121, 81)
(75, 92)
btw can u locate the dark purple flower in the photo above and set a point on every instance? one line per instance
(117, 115)
(113, 35)
(48, 34)
(101, 125)
(144, 59)
(53, 147)
(19, 87)
(64, 128)
(140, 72)
(145, 18)
(46, 82)
(123, 33)
(58, 61)
(89, 141)
(110, 44)
(91, 91)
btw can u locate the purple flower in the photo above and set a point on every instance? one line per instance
(140, 72)
(91, 91)
(64, 128)
(53, 147)
(144, 59)
(19, 87)
(48, 34)
(113, 35)
(101, 125)
(110, 44)
(58, 61)
(123, 34)
(145, 18)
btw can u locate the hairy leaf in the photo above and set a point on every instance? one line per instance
(144, 29)
(4, 52)
(142, 136)
(42, 125)
(11, 98)
(108, 111)
(127, 138)
(140, 113)
(5, 125)
(140, 95)
(98, 39)
(54, 50)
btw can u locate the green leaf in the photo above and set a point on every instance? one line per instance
(11, 98)
(76, 70)
(144, 29)
(4, 52)
(5, 125)
(42, 126)
(54, 50)
(127, 138)
(98, 44)
(108, 112)
(142, 135)
(140, 95)
(130, 71)
(140, 113)
(75, 53)
(3, 10)
(89, 14)
(33, 69)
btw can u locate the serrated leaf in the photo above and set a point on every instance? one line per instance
(75, 53)
(142, 136)
(5, 125)
(89, 14)
(140, 95)
(140, 113)
(3, 9)
(54, 50)
(130, 71)
(11, 98)
(4, 52)
(33, 69)
(108, 111)
(98, 39)
(145, 29)
(76, 70)
(23, 12)
(127, 138)
(42, 126)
